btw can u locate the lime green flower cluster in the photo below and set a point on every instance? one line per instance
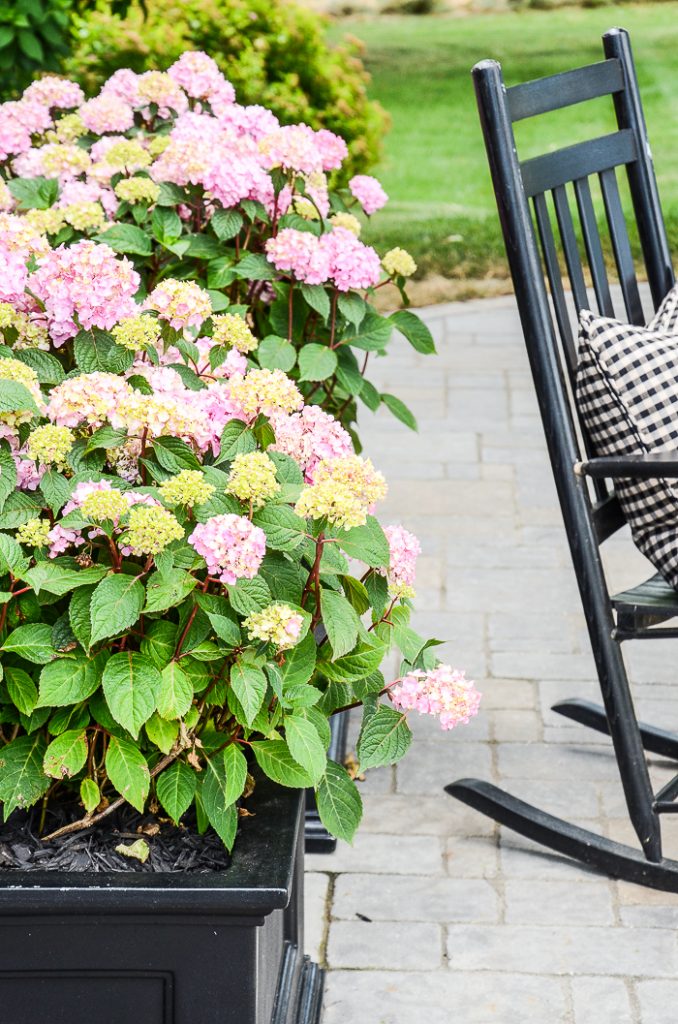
(68, 129)
(137, 332)
(137, 190)
(15, 370)
(231, 330)
(60, 158)
(51, 445)
(34, 533)
(188, 488)
(343, 492)
(128, 155)
(29, 333)
(84, 216)
(347, 221)
(102, 505)
(46, 222)
(305, 208)
(277, 624)
(150, 529)
(252, 478)
(398, 263)
(158, 144)
(333, 502)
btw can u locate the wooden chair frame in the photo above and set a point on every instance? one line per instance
(590, 509)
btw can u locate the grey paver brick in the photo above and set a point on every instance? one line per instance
(658, 1001)
(390, 997)
(315, 897)
(427, 815)
(470, 857)
(562, 949)
(537, 901)
(404, 898)
(601, 1001)
(383, 854)
(391, 945)
(430, 766)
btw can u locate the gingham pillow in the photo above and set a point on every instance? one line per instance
(627, 394)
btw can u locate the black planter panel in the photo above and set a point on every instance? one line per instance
(175, 949)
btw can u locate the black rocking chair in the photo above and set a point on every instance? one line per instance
(589, 507)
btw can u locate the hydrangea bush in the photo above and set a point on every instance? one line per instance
(215, 204)
(192, 578)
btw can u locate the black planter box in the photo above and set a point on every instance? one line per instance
(120, 948)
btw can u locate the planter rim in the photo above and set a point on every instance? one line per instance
(257, 881)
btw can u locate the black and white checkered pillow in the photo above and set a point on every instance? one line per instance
(627, 394)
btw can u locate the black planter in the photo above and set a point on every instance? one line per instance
(119, 948)
(318, 839)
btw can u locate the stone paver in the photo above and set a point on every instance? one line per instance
(435, 913)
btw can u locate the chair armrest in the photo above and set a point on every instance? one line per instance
(650, 465)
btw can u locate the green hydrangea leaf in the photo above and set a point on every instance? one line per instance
(176, 788)
(339, 803)
(276, 761)
(22, 779)
(131, 684)
(384, 739)
(128, 771)
(66, 755)
(33, 642)
(116, 605)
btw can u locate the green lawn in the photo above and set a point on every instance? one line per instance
(434, 168)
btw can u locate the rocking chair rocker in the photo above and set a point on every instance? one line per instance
(590, 509)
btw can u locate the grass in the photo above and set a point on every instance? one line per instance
(442, 207)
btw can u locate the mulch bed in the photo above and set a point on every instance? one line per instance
(172, 849)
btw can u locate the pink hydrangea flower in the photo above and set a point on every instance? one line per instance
(404, 549)
(231, 177)
(253, 121)
(15, 138)
(184, 162)
(52, 92)
(352, 264)
(332, 148)
(85, 285)
(368, 192)
(182, 303)
(301, 254)
(28, 473)
(198, 75)
(34, 116)
(443, 692)
(123, 83)
(13, 274)
(292, 146)
(61, 539)
(309, 437)
(88, 399)
(107, 113)
(231, 545)
(198, 128)
(160, 88)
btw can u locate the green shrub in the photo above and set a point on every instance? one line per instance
(273, 52)
(33, 35)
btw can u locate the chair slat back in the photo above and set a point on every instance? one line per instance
(563, 223)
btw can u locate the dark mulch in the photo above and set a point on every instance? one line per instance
(172, 849)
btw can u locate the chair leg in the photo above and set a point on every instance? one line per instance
(615, 859)
(585, 712)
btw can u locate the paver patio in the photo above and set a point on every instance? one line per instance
(436, 914)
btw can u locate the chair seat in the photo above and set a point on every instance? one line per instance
(650, 602)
